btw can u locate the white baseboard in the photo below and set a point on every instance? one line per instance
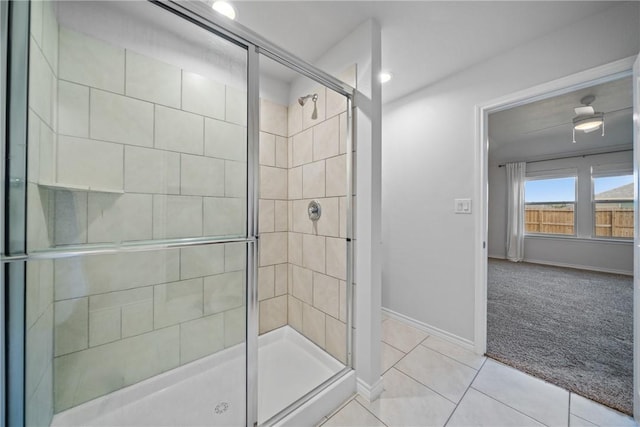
(577, 266)
(580, 267)
(431, 330)
(370, 392)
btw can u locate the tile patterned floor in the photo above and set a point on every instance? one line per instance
(431, 382)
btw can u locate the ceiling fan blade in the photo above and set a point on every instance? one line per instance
(582, 111)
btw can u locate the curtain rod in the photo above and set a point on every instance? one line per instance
(571, 157)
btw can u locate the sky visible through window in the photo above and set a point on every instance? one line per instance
(607, 183)
(563, 189)
(550, 190)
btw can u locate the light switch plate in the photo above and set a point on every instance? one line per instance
(462, 206)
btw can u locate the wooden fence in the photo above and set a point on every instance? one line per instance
(549, 220)
(616, 222)
(610, 221)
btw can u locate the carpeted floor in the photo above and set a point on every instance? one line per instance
(573, 328)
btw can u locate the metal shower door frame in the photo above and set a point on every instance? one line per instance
(202, 15)
(16, 15)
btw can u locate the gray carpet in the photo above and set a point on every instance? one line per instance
(573, 328)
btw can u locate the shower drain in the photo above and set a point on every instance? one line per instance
(221, 408)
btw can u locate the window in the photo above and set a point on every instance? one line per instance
(613, 206)
(550, 205)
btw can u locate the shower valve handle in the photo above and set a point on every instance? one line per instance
(314, 210)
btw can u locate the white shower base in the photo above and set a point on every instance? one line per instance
(211, 391)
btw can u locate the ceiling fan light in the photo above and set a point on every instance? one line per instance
(588, 123)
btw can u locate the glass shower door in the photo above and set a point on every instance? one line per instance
(136, 219)
(302, 276)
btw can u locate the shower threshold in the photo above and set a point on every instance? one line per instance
(211, 391)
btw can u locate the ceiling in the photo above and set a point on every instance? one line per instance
(543, 129)
(422, 41)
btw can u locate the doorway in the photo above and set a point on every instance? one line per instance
(580, 214)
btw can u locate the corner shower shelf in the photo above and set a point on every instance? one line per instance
(75, 187)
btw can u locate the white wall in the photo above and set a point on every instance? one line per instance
(430, 158)
(582, 252)
(363, 48)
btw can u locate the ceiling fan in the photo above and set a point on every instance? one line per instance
(587, 119)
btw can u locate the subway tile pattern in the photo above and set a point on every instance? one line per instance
(122, 122)
(273, 274)
(193, 297)
(123, 147)
(317, 250)
(299, 157)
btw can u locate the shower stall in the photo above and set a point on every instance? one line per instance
(177, 219)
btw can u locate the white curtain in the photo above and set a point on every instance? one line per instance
(515, 211)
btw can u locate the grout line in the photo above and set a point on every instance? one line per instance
(583, 419)
(569, 411)
(450, 357)
(404, 352)
(422, 384)
(508, 406)
(374, 415)
(412, 348)
(464, 394)
(339, 408)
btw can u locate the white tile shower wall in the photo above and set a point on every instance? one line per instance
(193, 297)
(91, 62)
(316, 250)
(130, 128)
(166, 150)
(42, 119)
(273, 220)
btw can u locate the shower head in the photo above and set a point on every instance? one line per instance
(314, 97)
(303, 99)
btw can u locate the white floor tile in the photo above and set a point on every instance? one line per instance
(536, 398)
(390, 356)
(575, 421)
(477, 409)
(401, 336)
(440, 373)
(353, 414)
(462, 355)
(598, 414)
(405, 402)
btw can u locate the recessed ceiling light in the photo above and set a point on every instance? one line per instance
(385, 76)
(224, 8)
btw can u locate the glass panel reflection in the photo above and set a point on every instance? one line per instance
(97, 324)
(302, 288)
(137, 127)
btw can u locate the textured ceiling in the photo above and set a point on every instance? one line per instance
(543, 128)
